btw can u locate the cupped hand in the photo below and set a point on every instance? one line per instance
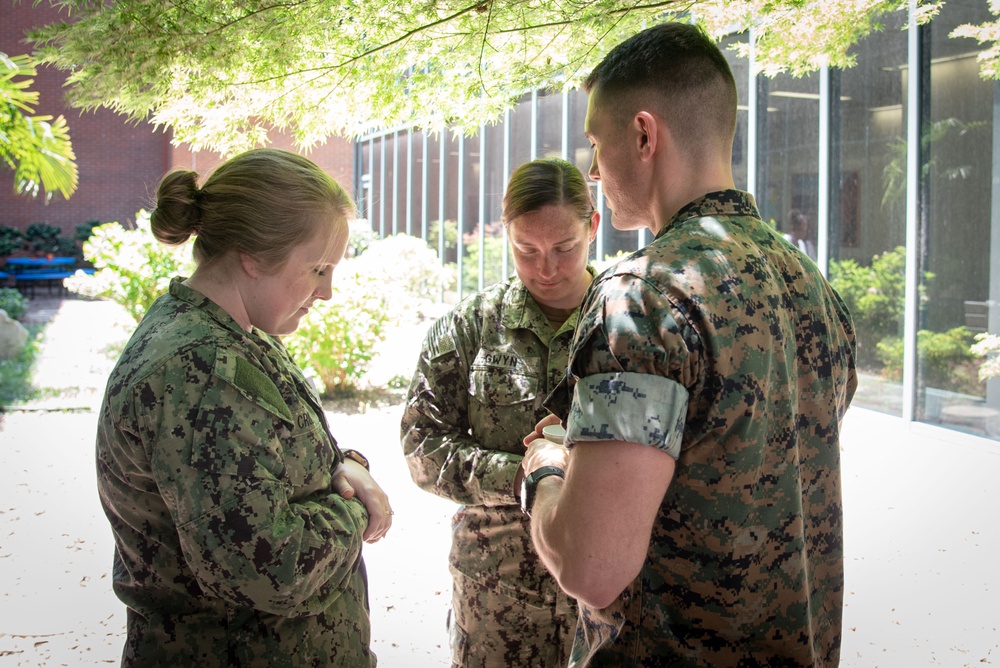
(542, 452)
(544, 422)
(351, 479)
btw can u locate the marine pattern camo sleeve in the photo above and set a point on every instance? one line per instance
(475, 395)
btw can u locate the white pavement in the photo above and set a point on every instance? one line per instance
(921, 514)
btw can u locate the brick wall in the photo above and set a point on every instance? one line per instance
(120, 162)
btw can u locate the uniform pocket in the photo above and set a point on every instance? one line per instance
(499, 386)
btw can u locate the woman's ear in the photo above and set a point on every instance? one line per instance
(595, 221)
(249, 265)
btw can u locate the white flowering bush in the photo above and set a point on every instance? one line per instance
(336, 340)
(408, 271)
(387, 283)
(988, 345)
(131, 267)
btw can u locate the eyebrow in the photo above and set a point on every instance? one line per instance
(557, 243)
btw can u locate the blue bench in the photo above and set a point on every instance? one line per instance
(29, 279)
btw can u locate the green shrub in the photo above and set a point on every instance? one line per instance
(946, 360)
(132, 267)
(336, 339)
(81, 235)
(11, 240)
(361, 235)
(13, 302)
(988, 346)
(16, 373)
(42, 238)
(450, 236)
(875, 297)
(409, 273)
(492, 262)
(84, 231)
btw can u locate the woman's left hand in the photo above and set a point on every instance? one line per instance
(351, 479)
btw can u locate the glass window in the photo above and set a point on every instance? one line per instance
(364, 187)
(400, 175)
(867, 232)
(387, 186)
(520, 132)
(549, 125)
(437, 180)
(741, 70)
(417, 218)
(956, 224)
(788, 141)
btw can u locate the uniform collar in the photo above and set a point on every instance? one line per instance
(182, 292)
(718, 203)
(520, 310)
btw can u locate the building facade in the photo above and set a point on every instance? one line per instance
(120, 162)
(898, 177)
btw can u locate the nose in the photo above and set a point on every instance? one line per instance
(594, 173)
(324, 290)
(547, 268)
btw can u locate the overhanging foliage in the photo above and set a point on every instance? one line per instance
(221, 73)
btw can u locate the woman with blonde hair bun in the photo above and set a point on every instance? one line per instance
(238, 520)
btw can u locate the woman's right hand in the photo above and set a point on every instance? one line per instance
(351, 479)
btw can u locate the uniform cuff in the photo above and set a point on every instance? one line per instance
(631, 407)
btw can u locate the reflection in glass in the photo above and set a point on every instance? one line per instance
(867, 231)
(956, 223)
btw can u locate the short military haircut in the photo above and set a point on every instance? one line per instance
(676, 71)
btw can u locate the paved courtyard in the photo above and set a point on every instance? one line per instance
(923, 536)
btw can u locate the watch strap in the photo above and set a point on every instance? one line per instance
(356, 456)
(529, 485)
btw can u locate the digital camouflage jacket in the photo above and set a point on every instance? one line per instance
(483, 372)
(214, 466)
(725, 347)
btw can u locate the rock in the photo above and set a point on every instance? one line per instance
(13, 336)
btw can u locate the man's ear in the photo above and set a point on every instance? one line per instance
(648, 131)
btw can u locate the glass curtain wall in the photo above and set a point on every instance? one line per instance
(788, 141)
(741, 69)
(958, 226)
(833, 146)
(867, 209)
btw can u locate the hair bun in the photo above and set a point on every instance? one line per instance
(178, 208)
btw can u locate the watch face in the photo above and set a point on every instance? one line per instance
(530, 483)
(524, 496)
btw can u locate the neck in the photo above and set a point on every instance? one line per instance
(678, 193)
(555, 316)
(223, 291)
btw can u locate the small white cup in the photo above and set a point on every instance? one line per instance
(554, 433)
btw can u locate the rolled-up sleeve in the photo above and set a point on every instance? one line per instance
(632, 407)
(633, 362)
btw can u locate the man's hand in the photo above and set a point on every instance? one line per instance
(350, 479)
(544, 453)
(547, 454)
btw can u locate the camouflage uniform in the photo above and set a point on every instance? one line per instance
(477, 391)
(724, 347)
(214, 467)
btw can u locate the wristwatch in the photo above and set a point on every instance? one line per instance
(530, 484)
(356, 456)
